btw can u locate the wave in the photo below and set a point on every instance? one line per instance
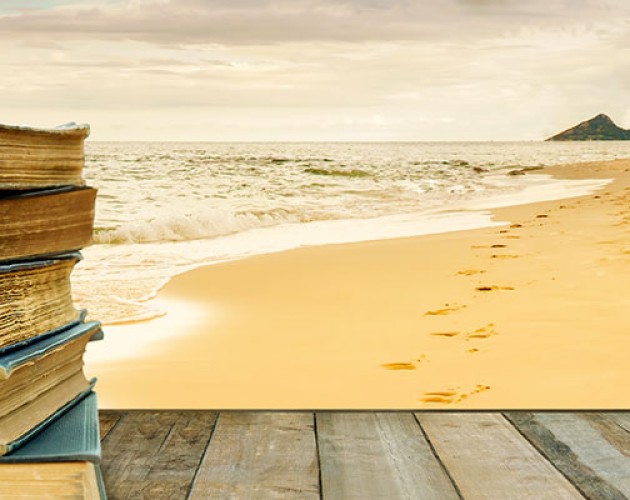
(337, 173)
(193, 227)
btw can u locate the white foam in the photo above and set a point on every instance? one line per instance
(177, 227)
(538, 188)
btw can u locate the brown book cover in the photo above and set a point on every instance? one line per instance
(45, 222)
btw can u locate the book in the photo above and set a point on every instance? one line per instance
(36, 298)
(33, 158)
(49, 437)
(74, 436)
(35, 223)
(40, 381)
(66, 455)
(80, 480)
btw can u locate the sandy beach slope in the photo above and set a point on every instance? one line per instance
(532, 314)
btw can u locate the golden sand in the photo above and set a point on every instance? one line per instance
(532, 314)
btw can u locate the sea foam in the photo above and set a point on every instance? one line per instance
(211, 224)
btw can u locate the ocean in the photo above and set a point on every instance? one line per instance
(165, 208)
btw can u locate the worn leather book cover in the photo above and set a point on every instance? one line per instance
(45, 222)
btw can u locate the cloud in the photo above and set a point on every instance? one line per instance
(275, 21)
(316, 69)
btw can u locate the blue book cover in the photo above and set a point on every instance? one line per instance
(98, 335)
(73, 435)
(34, 263)
(11, 194)
(100, 482)
(13, 359)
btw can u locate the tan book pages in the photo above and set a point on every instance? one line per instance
(34, 301)
(38, 158)
(50, 480)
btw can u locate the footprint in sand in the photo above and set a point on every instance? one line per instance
(496, 245)
(542, 216)
(445, 334)
(503, 256)
(491, 288)
(515, 226)
(399, 366)
(447, 397)
(403, 365)
(473, 350)
(447, 310)
(511, 237)
(451, 396)
(482, 333)
(469, 272)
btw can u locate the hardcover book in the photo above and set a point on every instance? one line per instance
(80, 480)
(36, 298)
(63, 458)
(39, 381)
(32, 158)
(45, 222)
(73, 436)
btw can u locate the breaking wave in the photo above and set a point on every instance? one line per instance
(193, 227)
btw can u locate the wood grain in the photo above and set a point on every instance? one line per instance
(154, 455)
(378, 455)
(107, 420)
(590, 449)
(488, 458)
(170, 454)
(260, 455)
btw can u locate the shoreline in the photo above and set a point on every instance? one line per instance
(136, 302)
(288, 330)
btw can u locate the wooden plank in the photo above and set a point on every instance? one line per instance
(488, 458)
(590, 449)
(154, 454)
(378, 455)
(622, 419)
(260, 455)
(107, 419)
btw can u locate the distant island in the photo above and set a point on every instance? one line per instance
(599, 128)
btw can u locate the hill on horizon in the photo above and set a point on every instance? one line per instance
(598, 128)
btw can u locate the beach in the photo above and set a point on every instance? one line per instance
(530, 313)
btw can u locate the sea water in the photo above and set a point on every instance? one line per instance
(164, 208)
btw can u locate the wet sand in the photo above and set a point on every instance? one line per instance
(532, 314)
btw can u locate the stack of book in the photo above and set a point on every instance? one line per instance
(49, 436)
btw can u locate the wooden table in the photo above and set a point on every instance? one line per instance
(365, 455)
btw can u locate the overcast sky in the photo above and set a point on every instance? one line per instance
(315, 69)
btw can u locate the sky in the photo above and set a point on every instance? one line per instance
(315, 70)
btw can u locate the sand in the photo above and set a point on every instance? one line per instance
(532, 314)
